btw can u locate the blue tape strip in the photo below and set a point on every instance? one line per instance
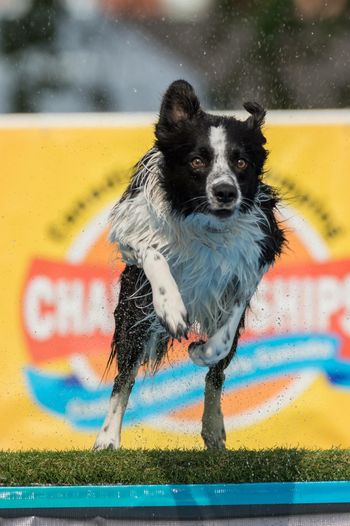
(175, 495)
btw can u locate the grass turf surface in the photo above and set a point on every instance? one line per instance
(171, 467)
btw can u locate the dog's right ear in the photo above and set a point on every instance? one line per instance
(180, 103)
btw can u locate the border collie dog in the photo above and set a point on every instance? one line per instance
(197, 230)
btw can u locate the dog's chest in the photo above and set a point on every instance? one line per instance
(212, 277)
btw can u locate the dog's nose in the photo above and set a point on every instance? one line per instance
(225, 193)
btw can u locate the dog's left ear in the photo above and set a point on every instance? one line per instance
(180, 103)
(257, 114)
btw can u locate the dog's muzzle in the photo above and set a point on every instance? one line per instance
(225, 196)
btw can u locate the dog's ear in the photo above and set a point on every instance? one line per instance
(180, 103)
(257, 114)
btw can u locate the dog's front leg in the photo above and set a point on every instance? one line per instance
(167, 300)
(219, 345)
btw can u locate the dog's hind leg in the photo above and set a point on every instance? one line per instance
(127, 348)
(110, 432)
(213, 428)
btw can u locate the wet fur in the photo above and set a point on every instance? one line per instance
(166, 213)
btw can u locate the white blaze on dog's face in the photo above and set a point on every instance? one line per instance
(222, 187)
(212, 164)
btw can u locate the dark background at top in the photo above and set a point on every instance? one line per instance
(58, 55)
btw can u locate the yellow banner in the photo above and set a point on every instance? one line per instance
(290, 382)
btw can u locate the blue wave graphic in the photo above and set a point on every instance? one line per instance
(183, 384)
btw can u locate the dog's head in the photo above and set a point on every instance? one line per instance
(212, 164)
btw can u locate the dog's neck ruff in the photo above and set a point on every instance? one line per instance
(215, 263)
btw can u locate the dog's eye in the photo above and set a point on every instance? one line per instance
(197, 163)
(242, 164)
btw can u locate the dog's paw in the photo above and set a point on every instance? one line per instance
(99, 445)
(106, 440)
(196, 353)
(214, 435)
(205, 354)
(102, 446)
(171, 312)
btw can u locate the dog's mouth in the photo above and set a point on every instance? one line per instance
(224, 197)
(223, 213)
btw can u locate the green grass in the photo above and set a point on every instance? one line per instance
(173, 467)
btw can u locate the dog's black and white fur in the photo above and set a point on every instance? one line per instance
(197, 230)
